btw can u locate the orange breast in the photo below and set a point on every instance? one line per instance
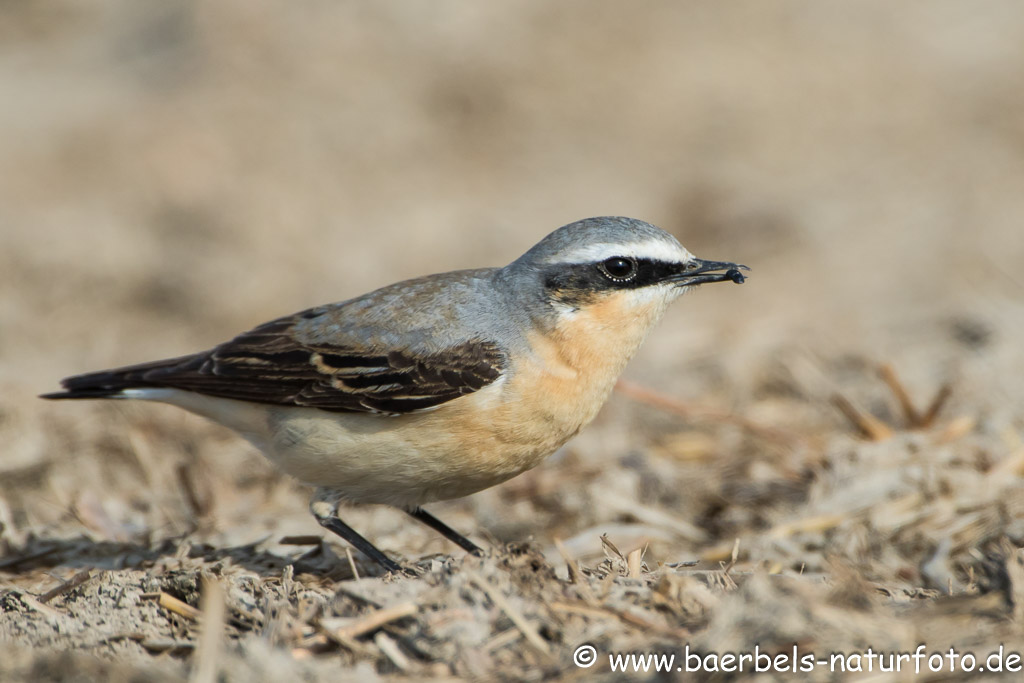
(551, 393)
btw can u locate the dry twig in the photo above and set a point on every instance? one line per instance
(868, 425)
(346, 628)
(527, 629)
(307, 539)
(634, 563)
(387, 645)
(173, 604)
(910, 414)
(76, 580)
(935, 407)
(210, 642)
(38, 606)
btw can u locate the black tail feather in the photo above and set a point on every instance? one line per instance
(110, 383)
(82, 393)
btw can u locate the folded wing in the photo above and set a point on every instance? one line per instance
(273, 364)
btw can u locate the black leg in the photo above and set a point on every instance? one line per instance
(446, 531)
(339, 527)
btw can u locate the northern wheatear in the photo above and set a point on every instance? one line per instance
(437, 387)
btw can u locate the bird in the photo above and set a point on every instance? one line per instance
(436, 387)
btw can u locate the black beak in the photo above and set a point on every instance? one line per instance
(699, 272)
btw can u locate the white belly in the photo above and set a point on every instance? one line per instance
(409, 460)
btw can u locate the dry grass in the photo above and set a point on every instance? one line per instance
(830, 456)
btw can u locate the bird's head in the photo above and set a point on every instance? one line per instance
(617, 264)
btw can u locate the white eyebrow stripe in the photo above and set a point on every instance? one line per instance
(655, 250)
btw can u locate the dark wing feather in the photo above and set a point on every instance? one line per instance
(270, 364)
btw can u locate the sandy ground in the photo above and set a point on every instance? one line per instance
(172, 174)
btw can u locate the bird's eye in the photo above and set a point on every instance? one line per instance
(619, 268)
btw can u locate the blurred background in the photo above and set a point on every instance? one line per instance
(174, 173)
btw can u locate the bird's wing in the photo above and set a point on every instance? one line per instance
(276, 364)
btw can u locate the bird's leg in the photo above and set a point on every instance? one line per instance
(446, 531)
(324, 507)
(359, 543)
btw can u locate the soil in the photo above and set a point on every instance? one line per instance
(828, 457)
